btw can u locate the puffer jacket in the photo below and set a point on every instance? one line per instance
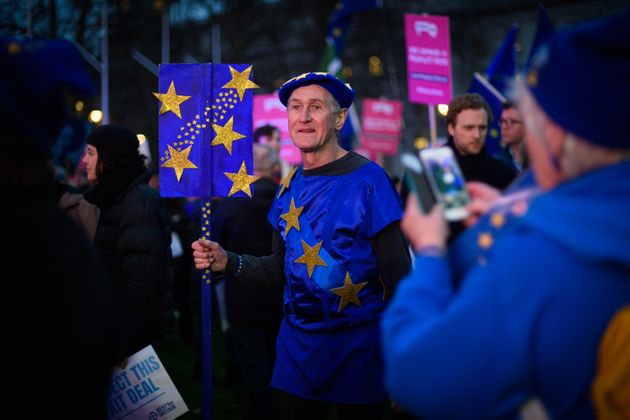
(133, 237)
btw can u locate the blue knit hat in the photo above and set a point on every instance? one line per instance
(34, 73)
(341, 91)
(581, 79)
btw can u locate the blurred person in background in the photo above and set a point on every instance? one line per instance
(513, 138)
(253, 314)
(59, 305)
(133, 236)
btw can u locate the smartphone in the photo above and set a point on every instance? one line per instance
(417, 181)
(446, 180)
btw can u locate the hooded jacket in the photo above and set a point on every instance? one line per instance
(536, 296)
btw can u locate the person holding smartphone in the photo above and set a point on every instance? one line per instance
(529, 311)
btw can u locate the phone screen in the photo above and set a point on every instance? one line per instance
(417, 182)
(447, 181)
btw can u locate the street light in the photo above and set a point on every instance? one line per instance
(442, 109)
(95, 116)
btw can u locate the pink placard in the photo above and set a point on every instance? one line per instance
(381, 125)
(428, 59)
(269, 110)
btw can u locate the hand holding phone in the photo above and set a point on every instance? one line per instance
(417, 181)
(446, 180)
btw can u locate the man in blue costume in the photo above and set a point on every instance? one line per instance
(523, 311)
(339, 251)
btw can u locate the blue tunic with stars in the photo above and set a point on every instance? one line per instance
(517, 309)
(328, 344)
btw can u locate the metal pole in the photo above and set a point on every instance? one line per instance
(29, 18)
(104, 66)
(166, 37)
(216, 43)
(432, 128)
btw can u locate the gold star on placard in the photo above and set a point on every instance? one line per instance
(311, 257)
(171, 100)
(485, 240)
(179, 161)
(497, 220)
(291, 217)
(240, 81)
(286, 181)
(349, 292)
(241, 181)
(226, 135)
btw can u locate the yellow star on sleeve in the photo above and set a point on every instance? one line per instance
(241, 181)
(311, 257)
(226, 135)
(171, 100)
(349, 292)
(179, 161)
(240, 81)
(292, 217)
(497, 220)
(485, 240)
(286, 181)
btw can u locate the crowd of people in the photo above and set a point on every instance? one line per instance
(340, 295)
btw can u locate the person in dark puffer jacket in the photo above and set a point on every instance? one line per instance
(133, 237)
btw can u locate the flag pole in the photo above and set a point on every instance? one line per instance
(432, 127)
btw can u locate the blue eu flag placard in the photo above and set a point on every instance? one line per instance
(205, 130)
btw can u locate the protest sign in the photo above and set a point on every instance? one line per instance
(143, 390)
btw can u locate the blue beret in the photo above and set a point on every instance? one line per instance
(581, 79)
(341, 91)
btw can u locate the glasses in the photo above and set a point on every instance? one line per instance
(509, 122)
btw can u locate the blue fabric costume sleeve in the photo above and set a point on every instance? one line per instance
(384, 203)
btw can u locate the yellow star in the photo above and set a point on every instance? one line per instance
(311, 257)
(286, 181)
(485, 240)
(226, 135)
(292, 217)
(171, 100)
(349, 292)
(179, 161)
(497, 220)
(240, 81)
(241, 181)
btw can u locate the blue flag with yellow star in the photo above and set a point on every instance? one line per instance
(205, 130)
(495, 99)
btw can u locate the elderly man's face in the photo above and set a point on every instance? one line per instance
(469, 131)
(312, 123)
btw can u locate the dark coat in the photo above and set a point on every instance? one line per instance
(484, 168)
(133, 237)
(240, 225)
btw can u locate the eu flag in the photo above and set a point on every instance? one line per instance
(502, 69)
(495, 99)
(205, 130)
(544, 30)
(336, 32)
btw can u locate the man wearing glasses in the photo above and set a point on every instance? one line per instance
(512, 136)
